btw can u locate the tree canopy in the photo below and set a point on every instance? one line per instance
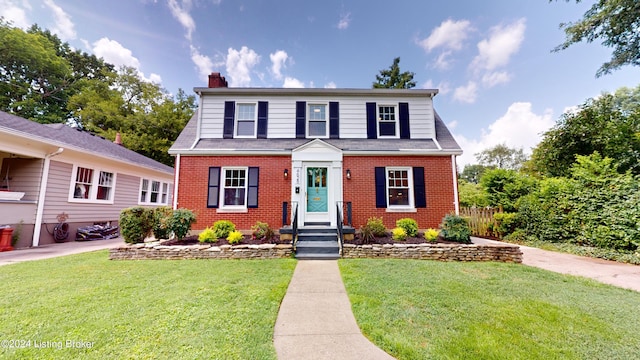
(392, 78)
(501, 156)
(616, 23)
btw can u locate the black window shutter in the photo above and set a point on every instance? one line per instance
(372, 132)
(301, 119)
(252, 196)
(419, 192)
(404, 121)
(334, 120)
(229, 113)
(214, 187)
(381, 188)
(263, 109)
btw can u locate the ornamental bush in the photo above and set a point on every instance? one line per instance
(161, 217)
(399, 234)
(136, 223)
(207, 235)
(409, 225)
(181, 221)
(235, 237)
(431, 235)
(377, 226)
(262, 231)
(223, 228)
(455, 228)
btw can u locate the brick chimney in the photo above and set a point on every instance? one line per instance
(118, 139)
(217, 81)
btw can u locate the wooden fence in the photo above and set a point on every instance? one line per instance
(481, 220)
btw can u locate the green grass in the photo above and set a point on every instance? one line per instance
(190, 309)
(436, 310)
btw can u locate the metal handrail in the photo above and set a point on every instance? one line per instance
(294, 227)
(340, 226)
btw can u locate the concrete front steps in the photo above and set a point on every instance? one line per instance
(317, 243)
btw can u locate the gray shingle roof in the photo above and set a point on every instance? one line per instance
(65, 136)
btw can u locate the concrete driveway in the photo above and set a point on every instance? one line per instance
(609, 272)
(53, 250)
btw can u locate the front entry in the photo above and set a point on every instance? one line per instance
(317, 195)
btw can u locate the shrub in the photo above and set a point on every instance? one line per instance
(235, 237)
(376, 226)
(506, 223)
(262, 231)
(431, 235)
(409, 225)
(207, 235)
(223, 228)
(161, 217)
(366, 234)
(455, 228)
(399, 234)
(181, 221)
(135, 224)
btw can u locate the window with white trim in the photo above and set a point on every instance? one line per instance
(92, 185)
(399, 187)
(317, 120)
(234, 188)
(387, 121)
(246, 120)
(154, 192)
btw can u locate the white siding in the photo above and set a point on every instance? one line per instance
(353, 114)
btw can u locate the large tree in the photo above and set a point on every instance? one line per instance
(392, 78)
(616, 23)
(39, 73)
(609, 125)
(501, 156)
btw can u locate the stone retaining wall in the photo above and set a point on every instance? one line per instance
(443, 252)
(155, 251)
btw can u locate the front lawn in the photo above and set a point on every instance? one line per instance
(437, 310)
(184, 309)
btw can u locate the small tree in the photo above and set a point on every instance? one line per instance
(392, 78)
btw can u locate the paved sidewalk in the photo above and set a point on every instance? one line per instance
(54, 250)
(609, 272)
(315, 319)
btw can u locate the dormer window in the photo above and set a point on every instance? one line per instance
(387, 121)
(246, 120)
(317, 121)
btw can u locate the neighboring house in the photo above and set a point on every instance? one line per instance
(52, 173)
(258, 154)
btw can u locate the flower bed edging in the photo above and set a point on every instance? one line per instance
(441, 252)
(157, 251)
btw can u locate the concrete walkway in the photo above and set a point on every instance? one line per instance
(54, 250)
(315, 319)
(609, 272)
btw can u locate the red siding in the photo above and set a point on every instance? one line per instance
(273, 189)
(360, 189)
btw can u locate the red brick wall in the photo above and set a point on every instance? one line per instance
(360, 190)
(273, 189)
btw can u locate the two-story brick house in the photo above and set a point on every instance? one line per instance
(258, 154)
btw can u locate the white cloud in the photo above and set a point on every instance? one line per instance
(180, 12)
(345, 20)
(442, 62)
(503, 42)
(443, 87)
(114, 53)
(278, 61)
(492, 79)
(330, 85)
(449, 35)
(63, 26)
(203, 63)
(15, 14)
(240, 64)
(466, 94)
(518, 128)
(292, 83)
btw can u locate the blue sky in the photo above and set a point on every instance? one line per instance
(491, 60)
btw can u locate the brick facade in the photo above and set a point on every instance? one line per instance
(274, 189)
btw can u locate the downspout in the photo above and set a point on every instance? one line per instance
(175, 183)
(41, 196)
(454, 172)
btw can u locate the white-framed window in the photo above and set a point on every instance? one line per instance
(246, 120)
(317, 120)
(399, 187)
(388, 121)
(154, 192)
(233, 191)
(92, 185)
